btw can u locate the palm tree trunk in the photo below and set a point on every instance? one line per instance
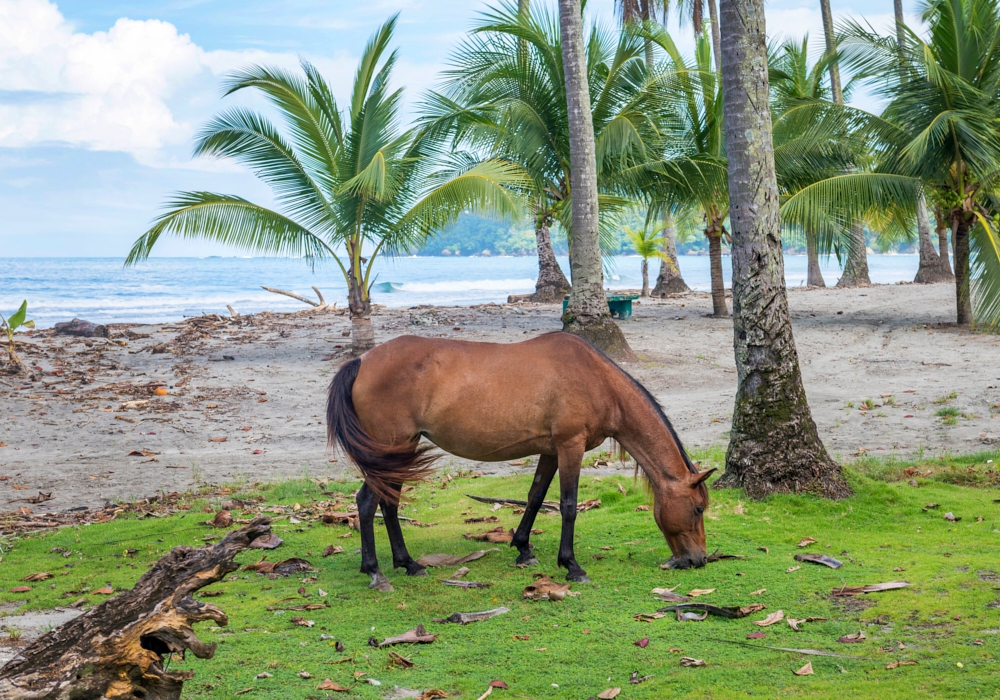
(856, 267)
(814, 276)
(697, 18)
(587, 313)
(929, 270)
(831, 47)
(719, 309)
(359, 305)
(645, 278)
(552, 284)
(960, 239)
(713, 14)
(670, 280)
(774, 445)
(942, 232)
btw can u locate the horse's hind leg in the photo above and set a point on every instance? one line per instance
(547, 466)
(367, 505)
(570, 459)
(400, 557)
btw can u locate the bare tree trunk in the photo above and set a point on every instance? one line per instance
(587, 313)
(645, 278)
(856, 266)
(697, 18)
(814, 276)
(960, 240)
(774, 445)
(118, 648)
(719, 309)
(831, 47)
(930, 269)
(670, 280)
(713, 13)
(552, 284)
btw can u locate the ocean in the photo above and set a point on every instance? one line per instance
(167, 289)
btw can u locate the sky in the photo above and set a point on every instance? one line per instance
(100, 99)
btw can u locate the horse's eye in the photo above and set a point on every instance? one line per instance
(699, 510)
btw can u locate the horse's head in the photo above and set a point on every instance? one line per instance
(679, 510)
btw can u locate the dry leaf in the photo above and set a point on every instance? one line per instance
(496, 536)
(433, 560)
(222, 519)
(759, 591)
(756, 635)
(688, 661)
(330, 685)
(19, 589)
(305, 674)
(417, 635)
(819, 559)
(268, 541)
(642, 643)
(431, 694)
(794, 623)
(465, 618)
(792, 568)
(499, 684)
(897, 664)
(765, 550)
(522, 637)
(583, 506)
(218, 439)
(610, 693)
(806, 541)
(858, 636)
(302, 622)
(40, 576)
(700, 591)
(263, 674)
(871, 588)
(399, 660)
(636, 679)
(950, 517)
(546, 589)
(639, 509)
(776, 616)
(330, 549)
(806, 670)
(107, 590)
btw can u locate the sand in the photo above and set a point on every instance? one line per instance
(71, 432)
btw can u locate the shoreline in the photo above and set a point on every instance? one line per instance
(246, 395)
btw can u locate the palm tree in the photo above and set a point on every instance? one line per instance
(691, 172)
(587, 314)
(648, 243)
(504, 94)
(794, 82)
(937, 135)
(774, 445)
(831, 52)
(364, 186)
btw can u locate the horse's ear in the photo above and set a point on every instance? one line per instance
(701, 476)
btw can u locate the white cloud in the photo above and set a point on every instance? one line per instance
(141, 87)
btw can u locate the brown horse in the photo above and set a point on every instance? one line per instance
(555, 396)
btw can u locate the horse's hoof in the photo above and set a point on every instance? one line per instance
(421, 571)
(529, 561)
(578, 578)
(381, 583)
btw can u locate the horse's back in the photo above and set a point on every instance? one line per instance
(482, 400)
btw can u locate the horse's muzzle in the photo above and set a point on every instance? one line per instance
(687, 561)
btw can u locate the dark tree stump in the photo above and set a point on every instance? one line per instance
(85, 329)
(117, 649)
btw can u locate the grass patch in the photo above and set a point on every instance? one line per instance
(949, 411)
(945, 399)
(585, 644)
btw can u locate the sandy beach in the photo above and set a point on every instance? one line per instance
(245, 396)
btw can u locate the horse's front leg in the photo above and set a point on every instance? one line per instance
(400, 556)
(367, 505)
(546, 469)
(570, 459)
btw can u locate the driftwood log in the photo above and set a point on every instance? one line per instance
(117, 649)
(81, 328)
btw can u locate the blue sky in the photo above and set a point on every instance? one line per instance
(99, 99)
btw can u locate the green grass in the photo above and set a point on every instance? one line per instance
(588, 640)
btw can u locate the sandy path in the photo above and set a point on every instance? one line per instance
(268, 401)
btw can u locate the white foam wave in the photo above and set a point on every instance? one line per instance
(464, 285)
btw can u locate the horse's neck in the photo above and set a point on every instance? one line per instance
(648, 440)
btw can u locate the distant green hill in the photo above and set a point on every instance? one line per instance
(477, 235)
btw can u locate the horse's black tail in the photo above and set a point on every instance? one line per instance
(384, 467)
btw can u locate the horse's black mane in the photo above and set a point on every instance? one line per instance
(652, 401)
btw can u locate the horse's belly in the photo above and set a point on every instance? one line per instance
(491, 448)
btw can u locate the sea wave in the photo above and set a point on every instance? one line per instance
(455, 286)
